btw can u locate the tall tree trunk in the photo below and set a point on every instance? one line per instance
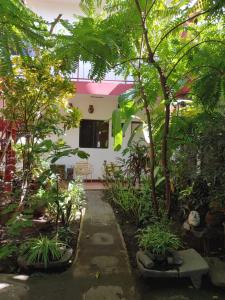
(26, 177)
(165, 164)
(152, 153)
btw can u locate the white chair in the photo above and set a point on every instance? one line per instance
(84, 169)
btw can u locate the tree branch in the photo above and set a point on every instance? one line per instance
(128, 60)
(145, 31)
(54, 23)
(150, 8)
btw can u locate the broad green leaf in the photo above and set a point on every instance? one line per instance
(156, 171)
(159, 181)
(117, 130)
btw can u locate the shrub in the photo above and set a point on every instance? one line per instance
(42, 250)
(76, 194)
(132, 200)
(62, 204)
(157, 239)
(126, 198)
(70, 201)
(7, 251)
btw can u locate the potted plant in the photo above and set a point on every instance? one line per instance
(158, 243)
(44, 253)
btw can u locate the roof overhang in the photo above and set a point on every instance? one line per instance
(103, 88)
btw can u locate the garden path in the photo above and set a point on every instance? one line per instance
(101, 270)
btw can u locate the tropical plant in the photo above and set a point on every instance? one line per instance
(42, 250)
(62, 204)
(65, 235)
(126, 198)
(112, 173)
(72, 201)
(158, 239)
(131, 200)
(197, 144)
(146, 213)
(7, 251)
(18, 222)
(135, 162)
(76, 193)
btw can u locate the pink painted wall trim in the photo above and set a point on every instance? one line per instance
(107, 89)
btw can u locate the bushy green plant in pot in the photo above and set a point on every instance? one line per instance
(158, 241)
(41, 252)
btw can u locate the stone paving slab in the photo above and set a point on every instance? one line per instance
(101, 270)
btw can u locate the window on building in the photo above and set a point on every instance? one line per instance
(94, 134)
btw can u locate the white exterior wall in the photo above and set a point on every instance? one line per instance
(103, 108)
(50, 9)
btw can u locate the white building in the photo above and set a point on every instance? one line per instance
(96, 101)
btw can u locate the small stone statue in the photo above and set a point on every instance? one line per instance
(194, 218)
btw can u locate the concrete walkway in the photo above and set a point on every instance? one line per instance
(101, 270)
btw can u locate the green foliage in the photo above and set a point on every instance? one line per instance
(199, 148)
(146, 213)
(125, 198)
(65, 235)
(208, 72)
(134, 202)
(35, 95)
(20, 29)
(135, 161)
(117, 130)
(76, 193)
(39, 199)
(198, 157)
(195, 197)
(64, 204)
(128, 107)
(7, 251)
(111, 39)
(42, 250)
(58, 149)
(157, 239)
(73, 200)
(19, 222)
(36, 100)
